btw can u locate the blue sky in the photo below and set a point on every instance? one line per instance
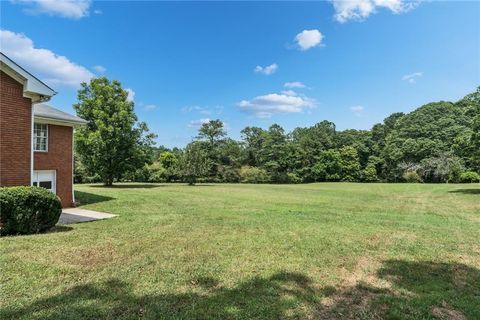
(251, 63)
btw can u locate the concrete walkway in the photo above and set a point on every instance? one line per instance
(76, 215)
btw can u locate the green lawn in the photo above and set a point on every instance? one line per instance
(314, 251)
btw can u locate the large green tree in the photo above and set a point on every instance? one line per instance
(306, 146)
(350, 169)
(194, 162)
(274, 153)
(210, 135)
(113, 143)
(425, 132)
(328, 167)
(212, 131)
(253, 138)
(476, 139)
(468, 145)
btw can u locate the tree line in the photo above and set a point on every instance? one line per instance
(438, 142)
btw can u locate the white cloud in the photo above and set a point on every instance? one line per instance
(131, 94)
(203, 110)
(294, 85)
(55, 70)
(149, 107)
(308, 39)
(97, 11)
(284, 102)
(73, 9)
(411, 78)
(197, 123)
(193, 108)
(267, 70)
(359, 10)
(99, 69)
(357, 110)
(289, 92)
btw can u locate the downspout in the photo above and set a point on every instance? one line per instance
(31, 148)
(73, 166)
(40, 99)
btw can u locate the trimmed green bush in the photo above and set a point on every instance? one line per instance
(228, 174)
(370, 173)
(27, 210)
(469, 177)
(412, 177)
(253, 175)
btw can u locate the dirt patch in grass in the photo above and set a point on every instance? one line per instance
(360, 288)
(446, 312)
(476, 248)
(89, 257)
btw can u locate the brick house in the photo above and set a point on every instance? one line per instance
(36, 140)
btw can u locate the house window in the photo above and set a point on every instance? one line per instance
(45, 179)
(40, 137)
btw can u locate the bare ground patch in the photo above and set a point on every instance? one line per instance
(446, 312)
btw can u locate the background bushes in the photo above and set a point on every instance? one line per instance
(27, 210)
(412, 177)
(469, 177)
(253, 175)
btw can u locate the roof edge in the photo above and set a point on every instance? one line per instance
(61, 122)
(32, 84)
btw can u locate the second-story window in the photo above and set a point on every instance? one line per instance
(40, 137)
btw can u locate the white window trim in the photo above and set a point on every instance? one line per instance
(34, 137)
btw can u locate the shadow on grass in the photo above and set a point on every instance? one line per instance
(129, 186)
(88, 198)
(258, 298)
(416, 290)
(419, 290)
(466, 191)
(59, 228)
(54, 229)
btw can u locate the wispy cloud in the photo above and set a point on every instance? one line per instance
(54, 69)
(149, 107)
(411, 78)
(267, 70)
(357, 110)
(73, 9)
(294, 85)
(359, 10)
(197, 123)
(131, 94)
(99, 69)
(204, 110)
(284, 102)
(308, 39)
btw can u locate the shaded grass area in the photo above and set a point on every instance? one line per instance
(331, 251)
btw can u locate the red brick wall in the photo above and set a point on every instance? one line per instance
(15, 133)
(59, 158)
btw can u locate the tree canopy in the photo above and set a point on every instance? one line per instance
(438, 142)
(113, 143)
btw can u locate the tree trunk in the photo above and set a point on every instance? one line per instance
(108, 182)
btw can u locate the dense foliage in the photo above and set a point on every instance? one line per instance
(438, 142)
(113, 143)
(27, 210)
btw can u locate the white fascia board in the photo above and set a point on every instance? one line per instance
(58, 122)
(31, 85)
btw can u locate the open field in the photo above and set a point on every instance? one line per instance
(313, 251)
